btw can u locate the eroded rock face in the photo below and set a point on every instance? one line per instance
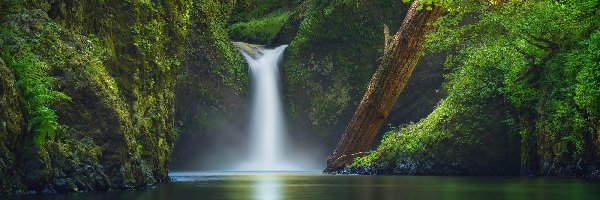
(332, 57)
(211, 104)
(11, 127)
(117, 64)
(290, 27)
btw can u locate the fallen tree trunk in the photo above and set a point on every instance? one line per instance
(401, 54)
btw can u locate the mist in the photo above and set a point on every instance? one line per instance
(258, 139)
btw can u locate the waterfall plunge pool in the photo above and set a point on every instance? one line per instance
(314, 185)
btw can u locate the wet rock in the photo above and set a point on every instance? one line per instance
(11, 127)
(252, 50)
(121, 95)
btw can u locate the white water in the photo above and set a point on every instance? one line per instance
(267, 128)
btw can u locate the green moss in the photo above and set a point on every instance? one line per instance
(212, 16)
(35, 84)
(75, 165)
(213, 75)
(259, 31)
(120, 77)
(585, 59)
(460, 137)
(12, 125)
(330, 61)
(518, 72)
(249, 10)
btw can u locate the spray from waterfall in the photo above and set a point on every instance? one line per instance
(267, 126)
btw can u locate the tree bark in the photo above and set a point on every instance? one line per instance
(401, 54)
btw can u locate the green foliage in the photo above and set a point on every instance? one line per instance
(586, 59)
(332, 58)
(209, 22)
(139, 148)
(10, 6)
(36, 87)
(213, 70)
(260, 30)
(535, 63)
(117, 61)
(248, 10)
(175, 132)
(258, 21)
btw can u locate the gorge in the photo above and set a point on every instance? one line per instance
(151, 99)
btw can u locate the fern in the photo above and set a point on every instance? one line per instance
(35, 85)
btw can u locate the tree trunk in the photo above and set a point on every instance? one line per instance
(401, 54)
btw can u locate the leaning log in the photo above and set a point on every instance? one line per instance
(401, 54)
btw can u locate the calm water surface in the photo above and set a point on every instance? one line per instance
(313, 185)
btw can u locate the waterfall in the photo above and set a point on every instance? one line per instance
(267, 123)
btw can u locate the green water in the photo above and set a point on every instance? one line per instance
(309, 185)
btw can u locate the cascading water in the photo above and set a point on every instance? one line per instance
(267, 128)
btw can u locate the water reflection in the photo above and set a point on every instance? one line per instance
(307, 186)
(267, 187)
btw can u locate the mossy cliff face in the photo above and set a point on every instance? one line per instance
(464, 135)
(332, 57)
(258, 21)
(11, 127)
(143, 42)
(212, 71)
(211, 82)
(291, 25)
(116, 62)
